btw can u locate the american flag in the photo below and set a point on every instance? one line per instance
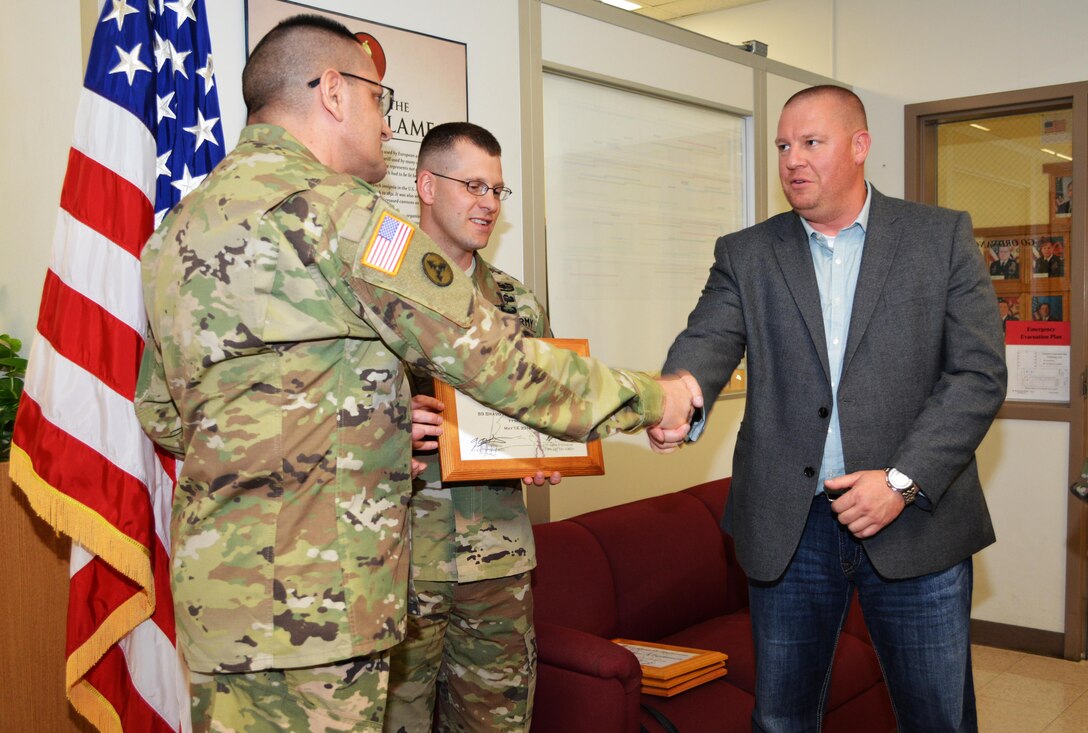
(147, 132)
(388, 245)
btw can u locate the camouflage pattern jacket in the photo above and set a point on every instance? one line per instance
(464, 532)
(274, 369)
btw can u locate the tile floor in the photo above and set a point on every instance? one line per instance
(1023, 693)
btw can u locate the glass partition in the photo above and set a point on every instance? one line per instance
(638, 188)
(1014, 174)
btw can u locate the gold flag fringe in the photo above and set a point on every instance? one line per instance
(96, 534)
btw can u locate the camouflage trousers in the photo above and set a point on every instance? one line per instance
(349, 696)
(470, 647)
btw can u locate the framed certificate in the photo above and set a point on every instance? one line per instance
(480, 443)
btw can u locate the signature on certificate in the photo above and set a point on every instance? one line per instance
(494, 435)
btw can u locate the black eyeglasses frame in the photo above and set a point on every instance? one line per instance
(501, 192)
(385, 99)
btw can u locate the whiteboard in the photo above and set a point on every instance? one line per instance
(638, 188)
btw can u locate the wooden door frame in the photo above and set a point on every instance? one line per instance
(920, 127)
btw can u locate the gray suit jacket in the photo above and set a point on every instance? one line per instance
(923, 376)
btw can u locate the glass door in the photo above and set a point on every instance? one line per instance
(1016, 162)
(1014, 174)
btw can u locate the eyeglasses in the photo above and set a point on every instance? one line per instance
(479, 188)
(385, 99)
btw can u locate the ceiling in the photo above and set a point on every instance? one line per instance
(671, 9)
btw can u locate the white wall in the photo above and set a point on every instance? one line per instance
(41, 71)
(797, 32)
(896, 53)
(1020, 580)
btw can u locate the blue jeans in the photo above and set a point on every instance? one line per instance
(919, 628)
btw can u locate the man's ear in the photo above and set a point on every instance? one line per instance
(332, 88)
(862, 141)
(425, 183)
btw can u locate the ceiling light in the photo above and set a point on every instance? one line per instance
(980, 127)
(622, 4)
(1063, 157)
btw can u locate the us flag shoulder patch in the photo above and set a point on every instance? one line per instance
(386, 249)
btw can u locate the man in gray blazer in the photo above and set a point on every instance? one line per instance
(876, 365)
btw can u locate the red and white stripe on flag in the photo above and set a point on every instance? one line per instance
(146, 133)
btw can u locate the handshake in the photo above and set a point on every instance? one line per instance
(682, 398)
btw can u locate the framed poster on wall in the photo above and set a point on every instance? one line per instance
(429, 76)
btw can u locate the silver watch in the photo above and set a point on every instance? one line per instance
(902, 484)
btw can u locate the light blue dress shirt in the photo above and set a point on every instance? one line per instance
(837, 261)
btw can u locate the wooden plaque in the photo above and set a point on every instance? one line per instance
(480, 443)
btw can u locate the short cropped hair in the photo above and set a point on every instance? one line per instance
(441, 139)
(298, 49)
(852, 104)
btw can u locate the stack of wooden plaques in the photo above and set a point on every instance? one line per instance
(668, 670)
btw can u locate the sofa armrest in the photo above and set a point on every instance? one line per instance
(578, 651)
(585, 684)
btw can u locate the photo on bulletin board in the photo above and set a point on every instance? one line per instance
(1048, 255)
(1049, 308)
(1025, 259)
(1011, 308)
(1061, 193)
(1002, 258)
(429, 76)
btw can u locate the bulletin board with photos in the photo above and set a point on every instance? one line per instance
(1029, 269)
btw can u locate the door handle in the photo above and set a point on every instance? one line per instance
(1080, 488)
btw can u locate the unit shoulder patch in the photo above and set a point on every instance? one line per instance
(437, 269)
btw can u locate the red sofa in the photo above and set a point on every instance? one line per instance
(660, 569)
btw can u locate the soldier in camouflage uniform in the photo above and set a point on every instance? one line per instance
(470, 641)
(284, 297)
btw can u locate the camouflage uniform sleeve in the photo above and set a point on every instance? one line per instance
(429, 313)
(542, 327)
(155, 409)
(545, 323)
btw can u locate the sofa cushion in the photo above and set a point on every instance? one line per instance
(713, 494)
(667, 562)
(731, 634)
(572, 582)
(715, 707)
(871, 712)
(855, 671)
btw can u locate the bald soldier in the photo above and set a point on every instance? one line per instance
(284, 297)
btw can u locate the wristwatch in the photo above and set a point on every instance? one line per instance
(902, 484)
